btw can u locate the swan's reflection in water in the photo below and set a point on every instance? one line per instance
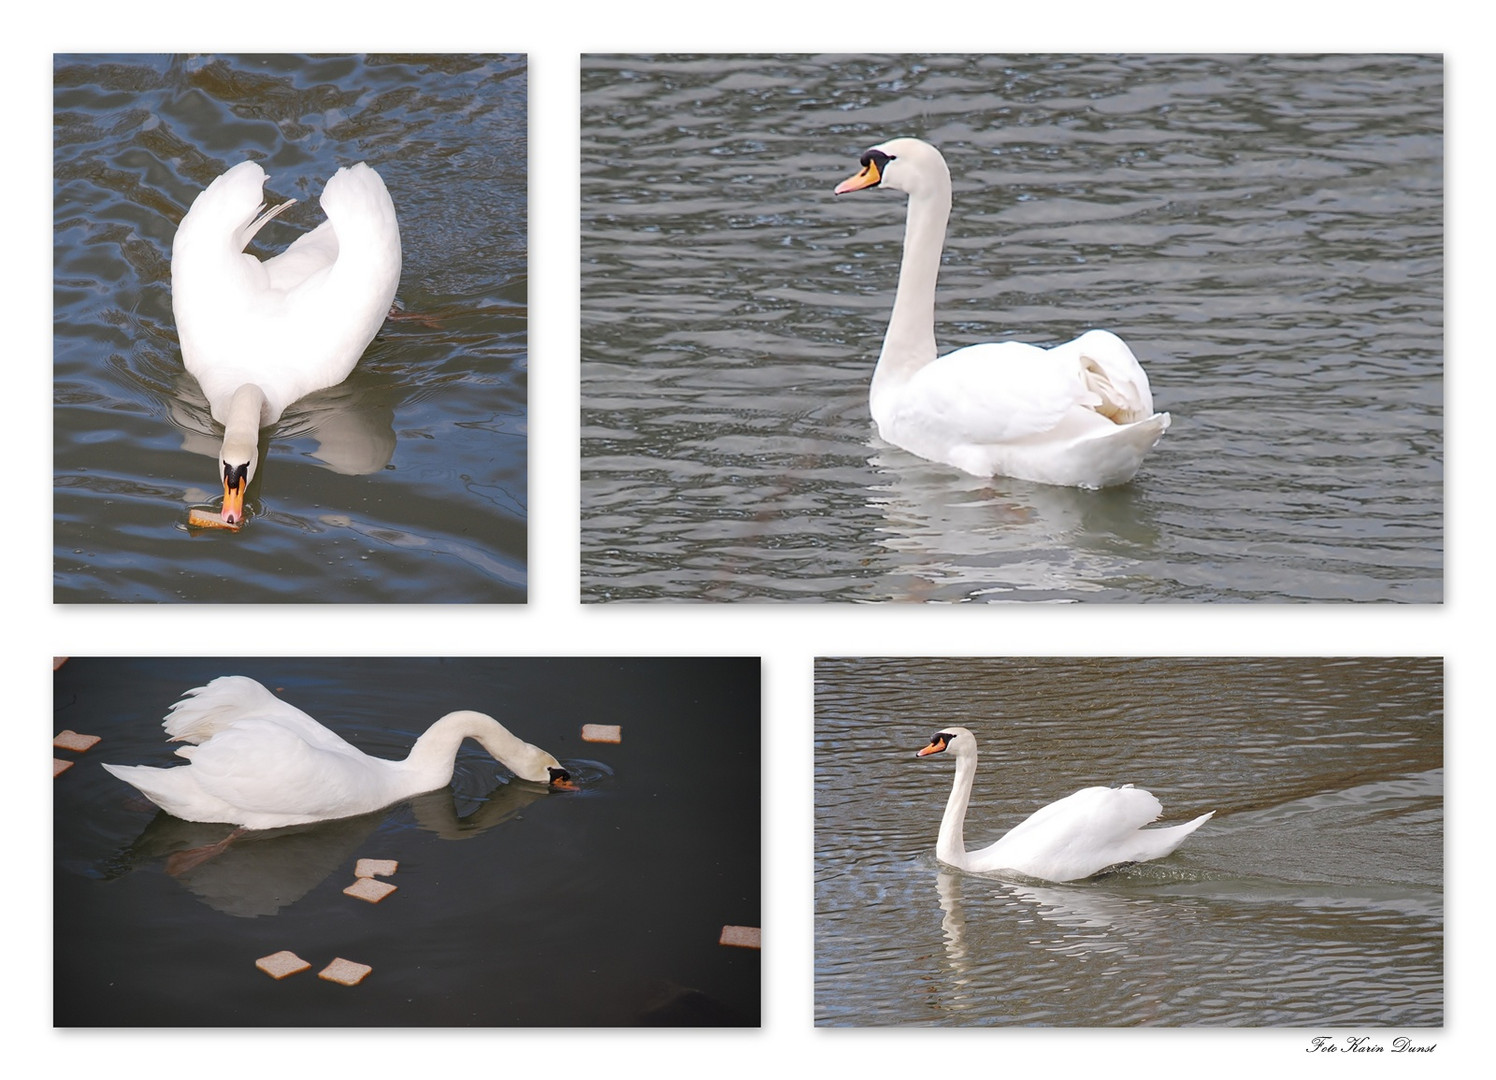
(958, 537)
(352, 428)
(253, 873)
(1078, 921)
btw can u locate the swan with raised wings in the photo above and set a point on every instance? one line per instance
(259, 335)
(1077, 837)
(261, 763)
(1077, 415)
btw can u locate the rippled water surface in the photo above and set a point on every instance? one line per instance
(1266, 232)
(514, 905)
(1313, 897)
(405, 483)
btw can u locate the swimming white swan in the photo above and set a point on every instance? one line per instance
(259, 335)
(1078, 415)
(261, 763)
(1080, 835)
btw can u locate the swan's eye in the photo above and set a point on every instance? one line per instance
(873, 163)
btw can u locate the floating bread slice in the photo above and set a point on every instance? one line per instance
(71, 740)
(746, 937)
(602, 733)
(344, 971)
(201, 519)
(59, 767)
(366, 888)
(279, 965)
(375, 868)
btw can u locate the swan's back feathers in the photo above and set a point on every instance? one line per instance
(1077, 415)
(269, 770)
(1101, 813)
(206, 711)
(1085, 833)
(299, 321)
(262, 773)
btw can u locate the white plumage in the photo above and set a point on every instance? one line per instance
(260, 762)
(1073, 838)
(259, 335)
(1078, 415)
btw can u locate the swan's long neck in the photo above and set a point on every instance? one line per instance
(909, 343)
(241, 424)
(435, 752)
(950, 845)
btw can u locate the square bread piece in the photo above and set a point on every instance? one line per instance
(375, 867)
(344, 971)
(71, 740)
(279, 965)
(746, 937)
(366, 888)
(602, 733)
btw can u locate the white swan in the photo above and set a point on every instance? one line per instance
(1074, 838)
(261, 763)
(1078, 415)
(259, 335)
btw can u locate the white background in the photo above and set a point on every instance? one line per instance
(554, 622)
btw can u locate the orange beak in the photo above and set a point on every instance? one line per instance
(561, 781)
(865, 179)
(233, 498)
(937, 744)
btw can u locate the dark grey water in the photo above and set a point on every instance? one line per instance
(1314, 897)
(405, 483)
(1266, 232)
(514, 906)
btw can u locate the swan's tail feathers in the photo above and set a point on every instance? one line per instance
(1116, 384)
(204, 711)
(174, 790)
(143, 778)
(1114, 455)
(1156, 843)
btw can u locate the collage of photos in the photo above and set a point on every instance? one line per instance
(986, 567)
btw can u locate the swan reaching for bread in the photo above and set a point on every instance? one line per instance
(1077, 837)
(261, 763)
(1077, 415)
(259, 335)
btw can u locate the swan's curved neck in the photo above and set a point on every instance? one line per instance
(910, 341)
(435, 752)
(950, 846)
